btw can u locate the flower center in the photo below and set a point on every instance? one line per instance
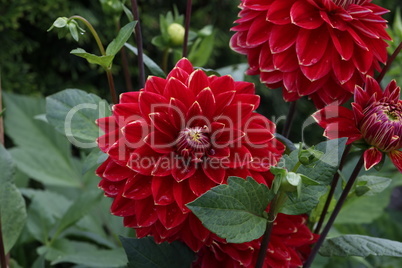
(193, 142)
(346, 3)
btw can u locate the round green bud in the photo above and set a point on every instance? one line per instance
(290, 182)
(176, 33)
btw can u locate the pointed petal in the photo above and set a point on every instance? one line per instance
(372, 157)
(396, 157)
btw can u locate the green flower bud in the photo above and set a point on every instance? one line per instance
(291, 182)
(176, 33)
(309, 156)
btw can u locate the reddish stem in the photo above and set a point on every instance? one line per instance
(187, 27)
(138, 38)
(389, 62)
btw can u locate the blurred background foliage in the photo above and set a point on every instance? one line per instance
(37, 63)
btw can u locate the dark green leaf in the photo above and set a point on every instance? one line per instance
(201, 50)
(360, 245)
(73, 112)
(13, 214)
(145, 253)
(235, 211)
(122, 37)
(78, 209)
(104, 61)
(152, 66)
(372, 184)
(309, 198)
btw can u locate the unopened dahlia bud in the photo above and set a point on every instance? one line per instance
(176, 33)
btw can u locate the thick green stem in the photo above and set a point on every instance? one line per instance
(93, 32)
(275, 206)
(103, 52)
(335, 213)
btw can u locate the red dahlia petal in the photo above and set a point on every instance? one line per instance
(134, 132)
(155, 84)
(207, 102)
(186, 65)
(145, 212)
(396, 157)
(122, 206)
(111, 189)
(151, 103)
(183, 195)
(372, 157)
(129, 97)
(143, 160)
(214, 170)
(171, 215)
(280, 42)
(116, 172)
(199, 183)
(278, 12)
(162, 190)
(178, 74)
(311, 49)
(178, 90)
(259, 31)
(138, 187)
(183, 169)
(285, 62)
(221, 84)
(242, 87)
(305, 15)
(160, 142)
(239, 157)
(197, 81)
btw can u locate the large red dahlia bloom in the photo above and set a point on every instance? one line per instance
(315, 48)
(175, 139)
(376, 120)
(289, 246)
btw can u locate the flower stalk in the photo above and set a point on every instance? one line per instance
(103, 53)
(335, 213)
(275, 206)
(289, 119)
(389, 62)
(138, 38)
(332, 190)
(187, 27)
(3, 258)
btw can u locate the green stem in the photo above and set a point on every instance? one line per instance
(335, 213)
(138, 38)
(331, 192)
(389, 62)
(111, 85)
(93, 32)
(289, 119)
(187, 27)
(165, 59)
(3, 258)
(109, 76)
(275, 205)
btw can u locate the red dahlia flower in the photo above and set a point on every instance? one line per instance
(288, 247)
(376, 120)
(315, 48)
(175, 139)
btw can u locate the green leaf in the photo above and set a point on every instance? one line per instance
(78, 209)
(372, 185)
(122, 37)
(145, 253)
(152, 66)
(73, 30)
(12, 212)
(7, 166)
(235, 211)
(202, 50)
(325, 168)
(41, 152)
(237, 71)
(360, 245)
(73, 113)
(104, 61)
(308, 200)
(41, 221)
(89, 255)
